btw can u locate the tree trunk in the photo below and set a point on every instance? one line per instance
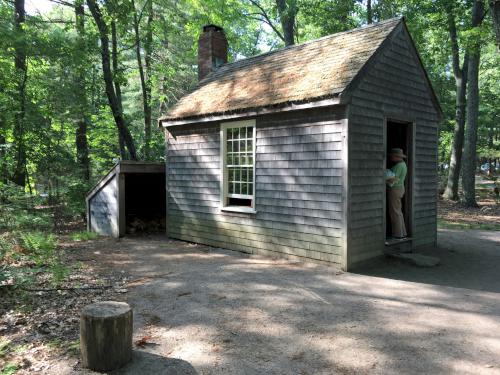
(82, 148)
(495, 16)
(106, 335)
(108, 80)
(3, 141)
(451, 191)
(369, 14)
(144, 77)
(21, 67)
(469, 156)
(287, 10)
(116, 83)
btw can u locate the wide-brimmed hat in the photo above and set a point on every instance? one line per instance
(397, 152)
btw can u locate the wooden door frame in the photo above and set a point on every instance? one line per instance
(410, 178)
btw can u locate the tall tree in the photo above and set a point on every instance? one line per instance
(82, 148)
(469, 155)
(21, 68)
(108, 79)
(287, 11)
(460, 75)
(369, 14)
(145, 74)
(117, 84)
(495, 16)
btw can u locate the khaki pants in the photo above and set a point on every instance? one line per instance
(397, 218)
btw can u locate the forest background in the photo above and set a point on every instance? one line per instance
(82, 83)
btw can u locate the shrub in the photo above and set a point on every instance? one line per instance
(27, 248)
(84, 236)
(19, 211)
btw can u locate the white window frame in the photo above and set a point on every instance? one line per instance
(224, 170)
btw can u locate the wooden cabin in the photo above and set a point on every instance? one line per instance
(284, 153)
(129, 199)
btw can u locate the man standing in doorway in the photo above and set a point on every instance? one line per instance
(396, 187)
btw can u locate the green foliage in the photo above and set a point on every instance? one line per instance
(61, 62)
(19, 211)
(445, 224)
(84, 236)
(9, 369)
(31, 252)
(4, 348)
(40, 247)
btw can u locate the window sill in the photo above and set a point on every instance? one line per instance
(245, 210)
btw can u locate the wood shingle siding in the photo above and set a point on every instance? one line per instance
(321, 111)
(394, 87)
(298, 187)
(103, 209)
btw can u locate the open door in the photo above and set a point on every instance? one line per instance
(400, 134)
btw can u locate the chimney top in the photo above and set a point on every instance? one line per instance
(212, 50)
(212, 27)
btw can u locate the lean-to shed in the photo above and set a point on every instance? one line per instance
(130, 197)
(284, 153)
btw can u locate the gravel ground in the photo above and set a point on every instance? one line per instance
(200, 310)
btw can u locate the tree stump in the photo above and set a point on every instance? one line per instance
(106, 335)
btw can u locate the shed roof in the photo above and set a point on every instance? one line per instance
(314, 70)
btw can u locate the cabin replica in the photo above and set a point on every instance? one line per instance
(284, 153)
(130, 198)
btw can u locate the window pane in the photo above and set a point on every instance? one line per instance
(239, 162)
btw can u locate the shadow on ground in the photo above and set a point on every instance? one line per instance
(223, 312)
(144, 363)
(469, 259)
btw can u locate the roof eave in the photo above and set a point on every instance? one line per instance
(249, 112)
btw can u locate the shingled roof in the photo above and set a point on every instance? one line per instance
(311, 71)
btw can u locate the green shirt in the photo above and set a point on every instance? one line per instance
(400, 171)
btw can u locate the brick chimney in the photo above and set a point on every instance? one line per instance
(212, 50)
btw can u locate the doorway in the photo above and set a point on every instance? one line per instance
(400, 134)
(145, 203)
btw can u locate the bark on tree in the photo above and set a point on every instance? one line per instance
(469, 155)
(82, 148)
(114, 103)
(116, 83)
(145, 75)
(460, 74)
(495, 16)
(369, 14)
(287, 11)
(19, 176)
(3, 141)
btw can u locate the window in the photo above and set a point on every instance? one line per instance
(238, 166)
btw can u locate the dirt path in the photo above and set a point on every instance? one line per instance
(208, 311)
(469, 259)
